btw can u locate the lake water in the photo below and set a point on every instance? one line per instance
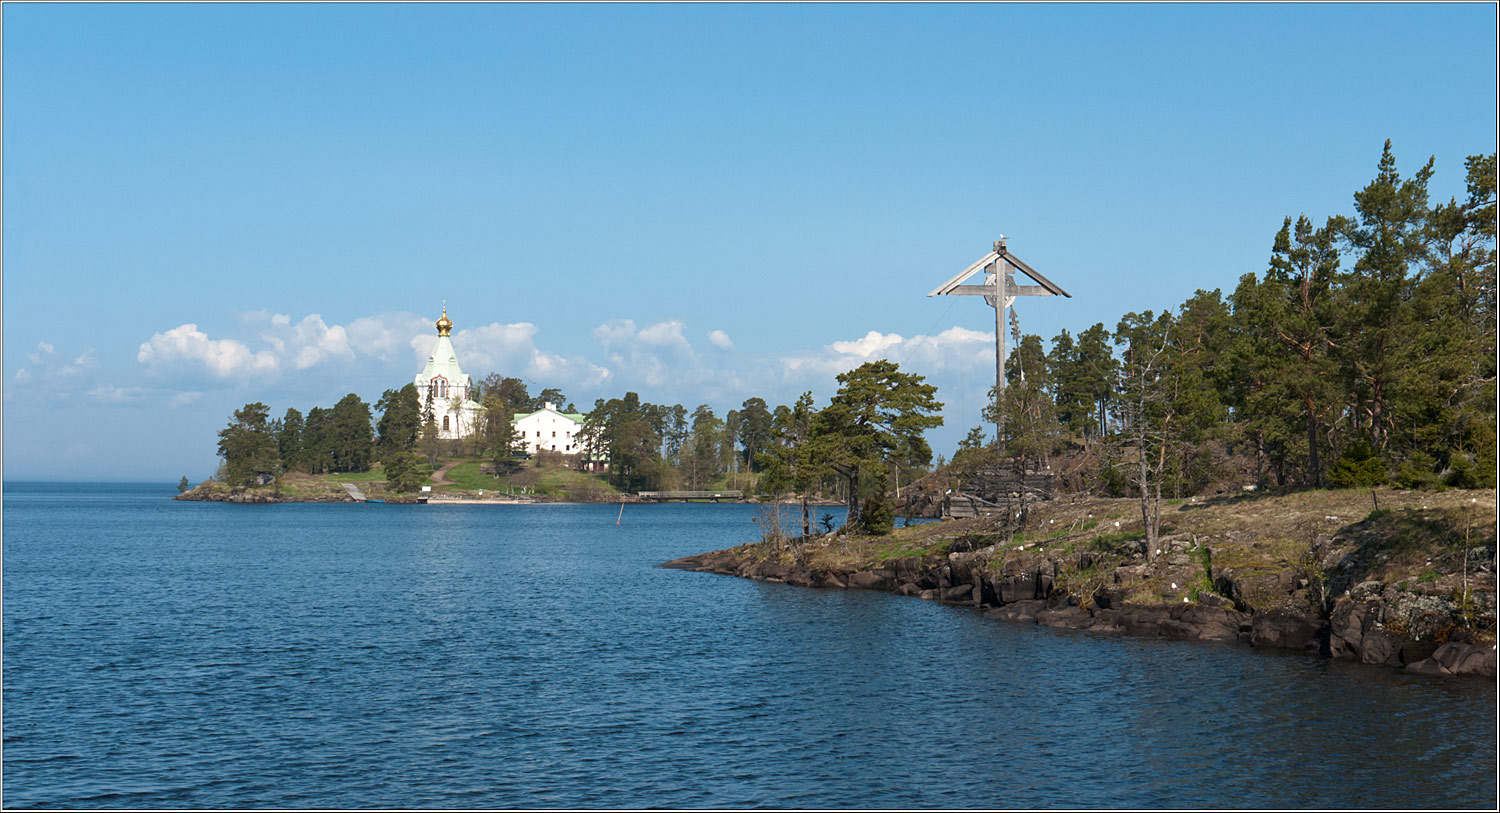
(207, 655)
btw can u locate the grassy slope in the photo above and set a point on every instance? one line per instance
(556, 482)
(1415, 542)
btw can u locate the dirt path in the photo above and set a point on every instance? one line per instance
(440, 477)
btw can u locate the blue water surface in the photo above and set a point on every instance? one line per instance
(161, 653)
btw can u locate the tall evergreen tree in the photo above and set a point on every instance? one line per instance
(1387, 236)
(625, 429)
(248, 446)
(289, 441)
(790, 463)
(317, 441)
(754, 431)
(352, 438)
(400, 421)
(703, 453)
(877, 417)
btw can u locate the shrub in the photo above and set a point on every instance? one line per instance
(1359, 467)
(1463, 473)
(879, 516)
(1418, 471)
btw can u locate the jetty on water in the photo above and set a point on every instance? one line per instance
(684, 496)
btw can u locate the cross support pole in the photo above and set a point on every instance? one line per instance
(999, 290)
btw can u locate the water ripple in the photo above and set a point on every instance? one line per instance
(189, 655)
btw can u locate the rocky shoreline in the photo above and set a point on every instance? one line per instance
(256, 497)
(1361, 619)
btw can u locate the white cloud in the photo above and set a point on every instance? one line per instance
(183, 399)
(956, 348)
(55, 369)
(649, 355)
(386, 335)
(112, 394)
(871, 346)
(393, 344)
(666, 335)
(309, 342)
(720, 339)
(222, 358)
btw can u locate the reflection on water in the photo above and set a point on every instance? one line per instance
(185, 654)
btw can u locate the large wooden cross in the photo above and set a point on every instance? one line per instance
(1000, 290)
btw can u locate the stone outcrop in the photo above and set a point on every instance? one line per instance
(1372, 623)
(202, 494)
(1455, 658)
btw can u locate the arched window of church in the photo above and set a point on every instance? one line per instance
(439, 387)
(445, 423)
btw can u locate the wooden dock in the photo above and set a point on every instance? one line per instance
(684, 496)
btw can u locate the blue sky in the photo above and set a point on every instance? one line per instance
(209, 205)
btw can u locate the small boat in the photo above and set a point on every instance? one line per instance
(370, 500)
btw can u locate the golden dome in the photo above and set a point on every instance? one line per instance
(444, 325)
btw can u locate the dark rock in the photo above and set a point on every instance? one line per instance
(1108, 599)
(1346, 629)
(1380, 646)
(1428, 666)
(1072, 618)
(1355, 633)
(905, 570)
(1210, 623)
(960, 594)
(989, 591)
(1018, 611)
(1455, 658)
(1027, 586)
(1106, 621)
(1140, 620)
(870, 580)
(1414, 651)
(1286, 629)
(1214, 600)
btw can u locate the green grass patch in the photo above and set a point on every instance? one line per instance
(468, 477)
(575, 485)
(376, 474)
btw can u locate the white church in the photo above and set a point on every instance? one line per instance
(457, 415)
(448, 387)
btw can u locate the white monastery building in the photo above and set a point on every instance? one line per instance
(448, 387)
(550, 430)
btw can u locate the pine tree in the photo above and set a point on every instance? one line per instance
(289, 441)
(400, 421)
(353, 439)
(1387, 236)
(876, 418)
(248, 447)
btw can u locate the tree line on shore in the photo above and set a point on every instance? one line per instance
(1363, 354)
(875, 422)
